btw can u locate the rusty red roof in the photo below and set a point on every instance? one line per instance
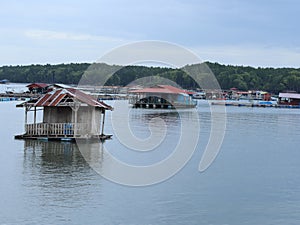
(55, 97)
(37, 85)
(166, 89)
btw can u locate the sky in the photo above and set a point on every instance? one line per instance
(237, 32)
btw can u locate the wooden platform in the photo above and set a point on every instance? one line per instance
(248, 104)
(19, 95)
(162, 106)
(63, 138)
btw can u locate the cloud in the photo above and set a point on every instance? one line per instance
(65, 36)
(255, 55)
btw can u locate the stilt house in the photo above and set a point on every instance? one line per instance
(67, 114)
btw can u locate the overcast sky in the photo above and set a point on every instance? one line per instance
(238, 32)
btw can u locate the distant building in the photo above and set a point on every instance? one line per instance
(199, 95)
(292, 99)
(67, 114)
(161, 96)
(38, 88)
(236, 94)
(262, 95)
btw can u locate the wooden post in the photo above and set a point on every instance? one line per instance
(34, 121)
(103, 118)
(26, 115)
(93, 127)
(25, 125)
(75, 108)
(75, 122)
(27, 108)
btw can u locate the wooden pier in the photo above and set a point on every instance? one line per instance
(19, 95)
(249, 104)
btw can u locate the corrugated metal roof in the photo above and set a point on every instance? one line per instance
(37, 85)
(54, 98)
(289, 95)
(166, 89)
(57, 100)
(42, 100)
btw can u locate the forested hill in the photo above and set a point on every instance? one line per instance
(249, 78)
(241, 77)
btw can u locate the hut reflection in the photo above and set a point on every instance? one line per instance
(169, 117)
(56, 153)
(58, 173)
(61, 154)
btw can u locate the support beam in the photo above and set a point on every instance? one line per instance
(103, 119)
(93, 124)
(75, 122)
(34, 119)
(75, 108)
(26, 111)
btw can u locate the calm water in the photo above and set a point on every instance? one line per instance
(254, 180)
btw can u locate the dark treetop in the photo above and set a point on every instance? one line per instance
(241, 77)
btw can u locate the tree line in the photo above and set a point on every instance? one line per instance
(242, 77)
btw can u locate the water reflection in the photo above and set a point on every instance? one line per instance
(171, 117)
(58, 174)
(52, 154)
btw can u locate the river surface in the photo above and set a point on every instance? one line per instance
(255, 178)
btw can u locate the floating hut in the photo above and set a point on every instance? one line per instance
(38, 88)
(68, 114)
(289, 99)
(161, 96)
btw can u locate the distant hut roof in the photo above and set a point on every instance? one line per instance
(289, 95)
(165, 89)
(243, 92)
(37, 85)
(62, 97)
(61, 86)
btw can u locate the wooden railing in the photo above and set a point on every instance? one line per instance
(56, 129)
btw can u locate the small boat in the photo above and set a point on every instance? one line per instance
(199, 95)
(4, 81)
